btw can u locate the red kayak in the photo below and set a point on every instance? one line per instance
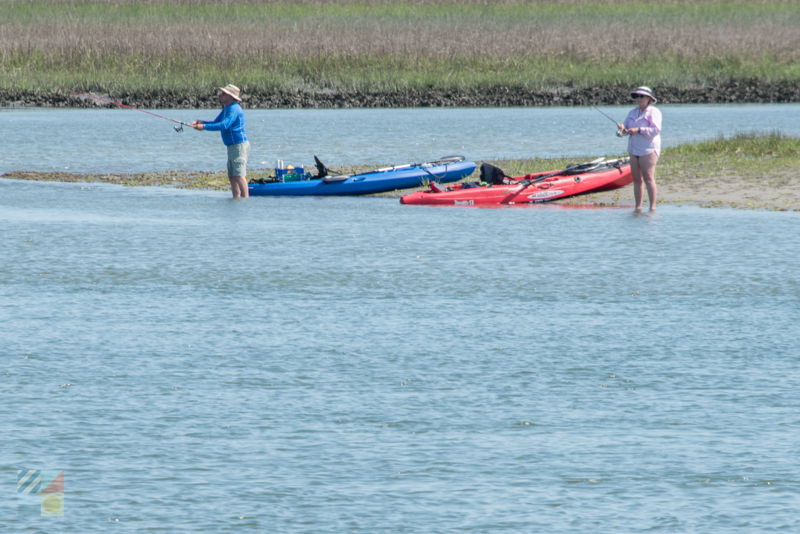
(591, 177)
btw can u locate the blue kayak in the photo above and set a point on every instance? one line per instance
(449, 169)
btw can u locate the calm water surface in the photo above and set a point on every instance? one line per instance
(119, 140)
(198, 364)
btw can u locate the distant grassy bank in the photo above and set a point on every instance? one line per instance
(749, 171)
(153, 49)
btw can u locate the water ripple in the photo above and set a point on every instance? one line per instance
(198, 364)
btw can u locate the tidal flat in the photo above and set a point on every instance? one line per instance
(745, 171)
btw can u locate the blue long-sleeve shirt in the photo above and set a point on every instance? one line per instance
(230, 122)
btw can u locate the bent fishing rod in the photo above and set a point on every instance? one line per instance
(177, 128)
(609, 118)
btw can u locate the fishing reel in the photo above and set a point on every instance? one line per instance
(179, 129)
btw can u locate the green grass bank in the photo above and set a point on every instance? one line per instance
(172, 53)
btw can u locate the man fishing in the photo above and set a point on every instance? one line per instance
(230, 122)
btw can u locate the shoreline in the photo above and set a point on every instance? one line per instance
(779, 191)
(738, 92)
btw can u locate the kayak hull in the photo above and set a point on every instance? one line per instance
(367, 183)
(547, 190)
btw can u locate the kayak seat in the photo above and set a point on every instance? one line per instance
(322, 170)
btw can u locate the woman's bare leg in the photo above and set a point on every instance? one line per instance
(647, 165)
(636, 173)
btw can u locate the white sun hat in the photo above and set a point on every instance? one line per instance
(646, 91)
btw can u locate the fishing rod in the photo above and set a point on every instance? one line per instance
(177, 128)
(609, 118)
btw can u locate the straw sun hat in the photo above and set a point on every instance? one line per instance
(233, 91)
(644, 91)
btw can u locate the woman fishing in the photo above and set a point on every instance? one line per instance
(230, 122)
(643, 126)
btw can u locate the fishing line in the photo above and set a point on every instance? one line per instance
(177, 128)
(609, 118)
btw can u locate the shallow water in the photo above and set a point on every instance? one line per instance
(119, 140)
(200, 364)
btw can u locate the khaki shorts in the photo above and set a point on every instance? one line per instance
(237, 159)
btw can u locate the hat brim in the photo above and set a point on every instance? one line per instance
(229, 93)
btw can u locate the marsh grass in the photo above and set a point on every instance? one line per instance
(770, 145)
(189, 45)
(756, 156)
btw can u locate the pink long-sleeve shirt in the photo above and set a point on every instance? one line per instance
(648, 140)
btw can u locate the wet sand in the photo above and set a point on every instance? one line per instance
(779, 191)
(776, 191)
(178, 179)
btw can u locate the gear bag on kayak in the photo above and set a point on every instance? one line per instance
(492, 175)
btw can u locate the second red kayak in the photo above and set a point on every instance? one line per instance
(591, 177)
